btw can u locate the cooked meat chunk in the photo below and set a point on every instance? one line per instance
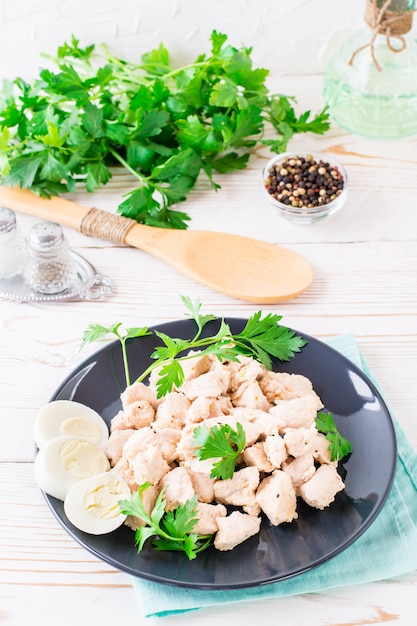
(297, 441)
(235, 529)
(178, 487)
(283, 386)
(250, 395)
(255, 455)
(123, 469)
(321, 489)
(253, 509)
(203, 408)
(149, 466)
(136, 415)
(275, 450)
(196, 366)
(245, 370)
(211, 385)
(197, 466)
(300, 469)
(203, 486)
(140, 441)
(172, 411)
(239, 490)
(114, 445)
(277, 498)
(186, 445)
(320, 447)
(208, 514)
(268, 423)
(166, 439)
(295, 413)
(138, 391)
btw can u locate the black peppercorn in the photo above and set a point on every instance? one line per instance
(304, 182)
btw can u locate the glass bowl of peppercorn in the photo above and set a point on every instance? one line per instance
(305, 187)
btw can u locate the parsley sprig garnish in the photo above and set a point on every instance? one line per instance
(262, 338)
(96, 331)
(172, 529)
(93, 110)
(339, 446)
(223, 442)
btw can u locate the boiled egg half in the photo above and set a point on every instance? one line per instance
(92, 504)
(63, 461)
(67, 418)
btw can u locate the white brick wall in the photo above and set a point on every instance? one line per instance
(287, 36)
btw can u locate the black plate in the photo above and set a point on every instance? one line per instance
(276, 553)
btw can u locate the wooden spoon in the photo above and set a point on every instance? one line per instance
(241, 267)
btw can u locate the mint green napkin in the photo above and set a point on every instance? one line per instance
(364, 561)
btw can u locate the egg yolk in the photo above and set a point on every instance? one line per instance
(82, 459)
(80, 427)
(102, 500)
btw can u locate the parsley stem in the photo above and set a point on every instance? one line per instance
(124, 354)
(191, 66)
(126, 165)
(125, 361)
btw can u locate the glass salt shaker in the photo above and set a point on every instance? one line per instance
(50, 268)
(11, 253)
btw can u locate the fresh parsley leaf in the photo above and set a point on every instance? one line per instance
(170, 375)
(220, 442)
(194, 309)
(229, 162)
(23, 170)
(265, 337)
(92, 120)
(280, 112)
(172, 529)
(94, 332)
(181, 520)
(339, 446)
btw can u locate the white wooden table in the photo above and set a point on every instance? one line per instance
(365, 264)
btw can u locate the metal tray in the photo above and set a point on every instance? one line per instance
(88, 285)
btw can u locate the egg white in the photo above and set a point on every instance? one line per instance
(91, 505)
(63, 461)
(68, 418)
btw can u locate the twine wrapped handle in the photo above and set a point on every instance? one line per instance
(98, 223)
(392, 24)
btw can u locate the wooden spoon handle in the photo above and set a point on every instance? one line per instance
(55, 209)
(240, 267)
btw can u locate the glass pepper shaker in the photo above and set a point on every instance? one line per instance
(11, 253)
(50, 268)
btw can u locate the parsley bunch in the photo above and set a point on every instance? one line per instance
(163, 125)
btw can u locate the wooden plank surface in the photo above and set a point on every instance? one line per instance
(365, 263)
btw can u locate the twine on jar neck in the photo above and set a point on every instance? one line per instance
(392, 24)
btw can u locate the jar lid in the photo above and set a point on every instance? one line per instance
(7, 220)
(45, 236)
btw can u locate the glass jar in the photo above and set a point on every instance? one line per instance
(370, 83)
(11, 251)
(50, 267)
